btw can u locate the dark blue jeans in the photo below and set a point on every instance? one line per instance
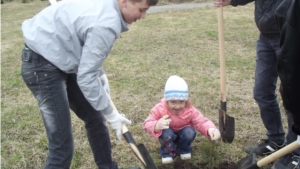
(267, 52)
(173, 143)
(57, 93)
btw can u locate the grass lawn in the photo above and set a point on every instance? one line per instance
(175, 42)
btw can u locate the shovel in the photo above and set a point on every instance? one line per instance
(250, 163)
(139, 150)
(226, 123)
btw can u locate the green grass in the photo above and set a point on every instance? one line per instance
(175, 42)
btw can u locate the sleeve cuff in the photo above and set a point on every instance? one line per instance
(108, 110)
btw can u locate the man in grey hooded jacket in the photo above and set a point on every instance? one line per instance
(65, 47)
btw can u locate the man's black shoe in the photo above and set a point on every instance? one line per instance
(289, 161)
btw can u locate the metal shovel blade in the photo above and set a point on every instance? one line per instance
(139, 150)
(226, 127)
(146, 156)
(248, 163)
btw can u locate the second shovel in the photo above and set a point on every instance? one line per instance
(226, 123)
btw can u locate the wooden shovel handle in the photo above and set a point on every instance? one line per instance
(126, 133)
(125, 130)
(221, 52)
(283, 151)
(132, 145)
(124, 127)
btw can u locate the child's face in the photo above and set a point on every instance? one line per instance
(176, 106)
(133, 11)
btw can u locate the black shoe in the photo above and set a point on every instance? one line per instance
(132, 168)
(266, 147)
(289, 161)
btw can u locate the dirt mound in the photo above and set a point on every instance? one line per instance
(180, 164)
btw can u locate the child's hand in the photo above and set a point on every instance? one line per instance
(214, 133)
(163, 123)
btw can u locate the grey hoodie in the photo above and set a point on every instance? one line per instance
(76, 36)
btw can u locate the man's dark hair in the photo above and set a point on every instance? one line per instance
(149, 2)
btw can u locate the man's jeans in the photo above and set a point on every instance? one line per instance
(56, 92)
(173, 143)
(267, 52)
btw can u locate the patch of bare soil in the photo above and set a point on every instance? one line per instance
(227, 165)
(181, 164)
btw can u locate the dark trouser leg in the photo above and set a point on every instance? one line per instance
(186, 137)
(47, 83)
(291, 136)
(265, 86)
(168, 148)
(95, 124)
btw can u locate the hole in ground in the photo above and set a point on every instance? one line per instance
(180, 164)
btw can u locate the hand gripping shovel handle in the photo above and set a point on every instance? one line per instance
(127, 135)
(139, 150)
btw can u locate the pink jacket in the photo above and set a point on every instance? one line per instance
(189, 117)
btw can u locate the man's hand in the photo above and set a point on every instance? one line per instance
(214, 133)
(219, 3)
(163, 123)
(116, 121)
(105, 84)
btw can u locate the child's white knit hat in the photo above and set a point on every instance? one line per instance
(176, 89)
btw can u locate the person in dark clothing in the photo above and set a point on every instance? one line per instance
(288, 67)
(267, 54)
(287, 18)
